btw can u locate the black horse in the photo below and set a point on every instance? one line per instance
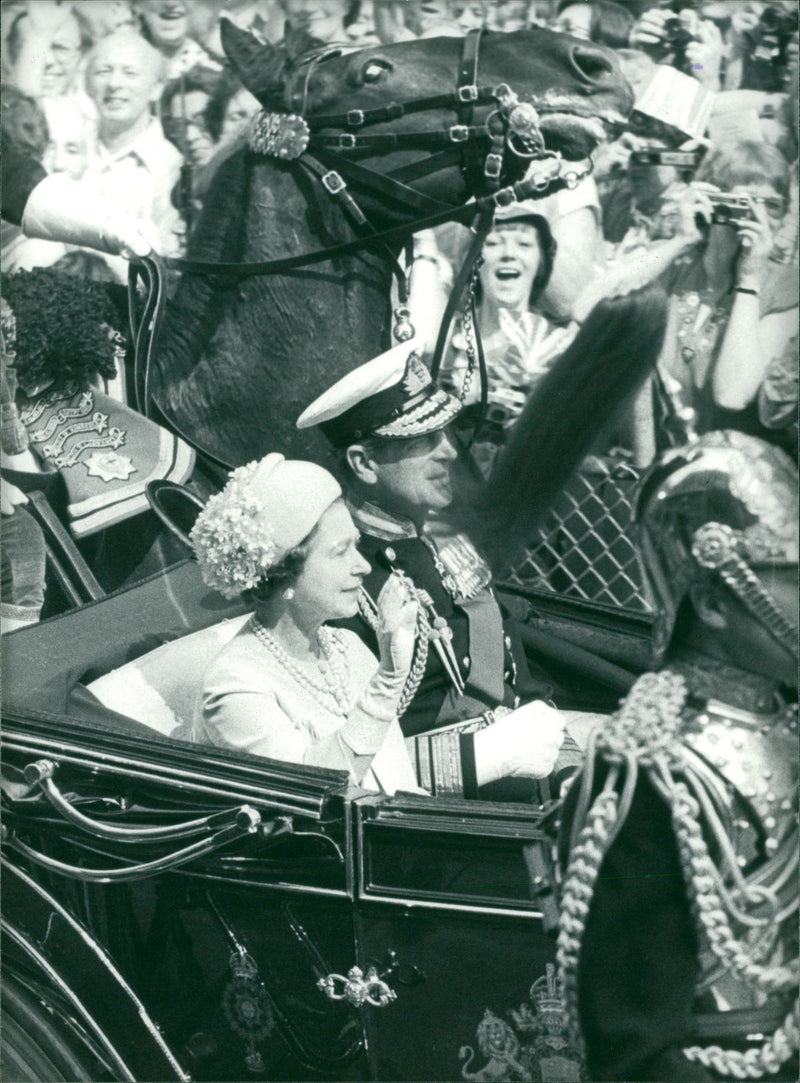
(412, 129)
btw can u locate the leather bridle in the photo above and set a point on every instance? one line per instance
(330, 156)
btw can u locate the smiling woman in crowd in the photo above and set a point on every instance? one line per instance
(519, 343)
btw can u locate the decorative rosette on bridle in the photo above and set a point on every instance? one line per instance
(234, 543)
(738, 912)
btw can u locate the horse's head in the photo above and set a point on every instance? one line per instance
(539, 92)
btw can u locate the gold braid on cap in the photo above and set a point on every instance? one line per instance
(645, 735)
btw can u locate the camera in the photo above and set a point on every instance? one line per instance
(676, 36)
(765, 64)
(728, 209)
(685, 160)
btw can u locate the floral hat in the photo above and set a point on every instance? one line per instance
(267, 508)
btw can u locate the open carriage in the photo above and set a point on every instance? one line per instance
(175, 912)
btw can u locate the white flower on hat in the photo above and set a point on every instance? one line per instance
(234, 543)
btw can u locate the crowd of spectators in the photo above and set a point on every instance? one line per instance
(700, 192)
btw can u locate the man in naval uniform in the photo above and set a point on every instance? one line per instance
(680, 835)
(388, 422)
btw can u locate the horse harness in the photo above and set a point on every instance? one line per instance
(307, 139)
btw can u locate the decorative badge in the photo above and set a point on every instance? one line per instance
(247, 1008)
(109, 466)
(524, 134)
(416, 377)
(540, 1047)
(279, 135)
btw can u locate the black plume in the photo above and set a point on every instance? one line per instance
(576, 403)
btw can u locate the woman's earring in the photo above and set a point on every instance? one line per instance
(288, 594)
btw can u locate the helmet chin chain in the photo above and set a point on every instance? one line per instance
(714, 546)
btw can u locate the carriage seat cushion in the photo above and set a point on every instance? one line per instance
(160, 688)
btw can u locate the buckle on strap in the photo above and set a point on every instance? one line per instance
(354, 117)
(333, 183)
(468, 93)
(493, 165)
(346, 142)
(459, 133)
(504, 198)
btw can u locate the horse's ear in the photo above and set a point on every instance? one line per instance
(260, 66)
(297, 40)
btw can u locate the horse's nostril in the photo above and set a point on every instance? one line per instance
(593, 64)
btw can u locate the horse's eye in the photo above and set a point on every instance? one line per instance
(374, 68)
(369, 70)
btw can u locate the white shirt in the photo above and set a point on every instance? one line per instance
(138, 179)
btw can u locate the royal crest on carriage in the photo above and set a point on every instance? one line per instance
(278, 135)
(537, 1046)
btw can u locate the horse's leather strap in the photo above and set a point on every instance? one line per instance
(425, 167)
(458, 134)
(358, 118)
(484, 224)
(518, 191)
(388, 186)
(337, 189)
(468, 77)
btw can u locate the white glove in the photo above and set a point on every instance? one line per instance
(62, 209)
(10, 497)
(397, 627)
(525, 742)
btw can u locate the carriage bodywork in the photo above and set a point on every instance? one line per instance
(173, 912)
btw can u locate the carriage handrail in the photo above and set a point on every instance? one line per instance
(41, 773)
(137, 870)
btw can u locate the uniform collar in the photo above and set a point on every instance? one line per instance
(372, 520)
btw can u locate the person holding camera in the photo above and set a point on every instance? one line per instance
(729, 315)
(662, 146)
(684, 40)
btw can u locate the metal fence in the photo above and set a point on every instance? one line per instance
(585, 549)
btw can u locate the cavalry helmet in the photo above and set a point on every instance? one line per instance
(724, 504)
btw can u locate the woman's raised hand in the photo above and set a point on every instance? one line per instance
(397, 624)
(692, 207)
(755, 245)
(525, 742)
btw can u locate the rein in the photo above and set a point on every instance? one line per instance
(512, 125)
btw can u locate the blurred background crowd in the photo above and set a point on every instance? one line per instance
(700, 192)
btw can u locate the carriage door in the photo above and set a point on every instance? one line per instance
(455, 913)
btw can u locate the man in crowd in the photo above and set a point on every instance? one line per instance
(681, 895)
(136, 167)
(388, 422)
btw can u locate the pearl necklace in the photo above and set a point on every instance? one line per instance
(336, 685)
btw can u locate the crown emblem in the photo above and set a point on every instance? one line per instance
(546, 992)
(416, 377)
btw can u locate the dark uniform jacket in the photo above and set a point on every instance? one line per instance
(485, 645)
